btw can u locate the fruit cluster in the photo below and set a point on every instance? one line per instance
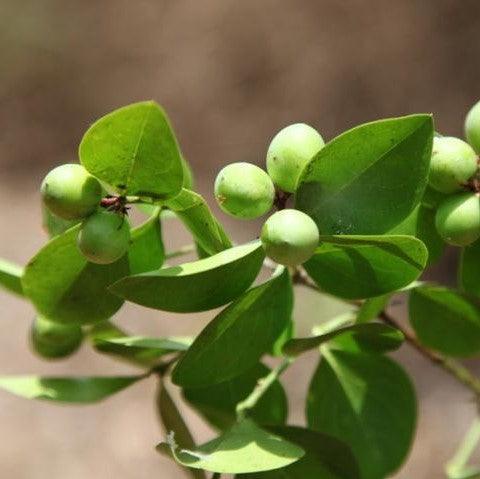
(454, 172)
(71, 193)
(244, 190)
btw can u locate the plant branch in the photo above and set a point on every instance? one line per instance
(187, 249)
(458, 465)
(261, 388)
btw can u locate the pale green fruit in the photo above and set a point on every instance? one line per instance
(472, 127)
(70, 192)
(458, 219)
(52, 340)
(104, 237)
(289, 237)
(244, 190)
(290, 150)
(453, 163)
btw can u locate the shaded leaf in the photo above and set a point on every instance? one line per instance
(368, 179)
(469, 272)
(197, 286)
(365, 266)
(371, 308)
(237, 337)
(134, 150)
(53, 224)
(11, 277)
(65, 287)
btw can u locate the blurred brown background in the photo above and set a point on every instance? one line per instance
(230, 74)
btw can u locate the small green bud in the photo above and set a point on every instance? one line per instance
(458, 219)
(290, 150)
(289, 237)
(104, 237)
(70, 192)
(52, 340)
(244, 190)
(472, 127)
(453, 163)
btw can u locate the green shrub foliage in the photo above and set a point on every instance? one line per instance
(358, 218)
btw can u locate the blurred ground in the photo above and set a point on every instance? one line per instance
(230, 74)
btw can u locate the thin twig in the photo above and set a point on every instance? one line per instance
(458, 465)
(187, 249)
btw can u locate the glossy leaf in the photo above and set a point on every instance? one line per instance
(370, 337)
(242, 449)
(445, 320)
(64, 287)
(237, 337)
(365, 266)
(217, 403)
(80, 390)
(11, 277)
(325, 457)
(469, 271)
(134, 150)
(146, 252)
(197, 286)
(367, 401)
(194, 212)
(370, 178)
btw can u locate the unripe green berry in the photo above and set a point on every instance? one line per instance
(472, 127)
(70, 192)
(289, 237)
(104, 237)
(458, 219)
(244, 190)
(453, 163)
(290, 150)
(52, 340)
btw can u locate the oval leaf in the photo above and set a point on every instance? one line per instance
(197, 286)
(469, 274)
(11, 277)
(65, 287)
(217, 403)
(374, 408)
(134, 150)
(194, 212)
(357, 267)
(370, 178)
(325, 457)
(370, 337)
(445, 320)
(80, 390)
(244, 448)
(238, 337)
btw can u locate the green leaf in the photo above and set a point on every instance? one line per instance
(365, 266)
(421, 224)
(11, 277)
(173, 422)
(368, 179)
(217, 403)
(134, 150)
(325, 457)
(469, 272)
(66, 288)
(367, 401)
(369, 336)
(146, 252)
(445, 320)
(81, 390)
(371, 308)
(197, 286)
(194, 212)
(53, 224)
(237, 337)
(244, 448)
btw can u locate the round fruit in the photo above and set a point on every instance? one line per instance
(244, 190)
(70, 192)
(51, 340)
(458, 219)
(290, 150)
(472, 127)
(289, 237)
(453, 163)
(104, 237)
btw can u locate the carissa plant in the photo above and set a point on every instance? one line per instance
(358, 218)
